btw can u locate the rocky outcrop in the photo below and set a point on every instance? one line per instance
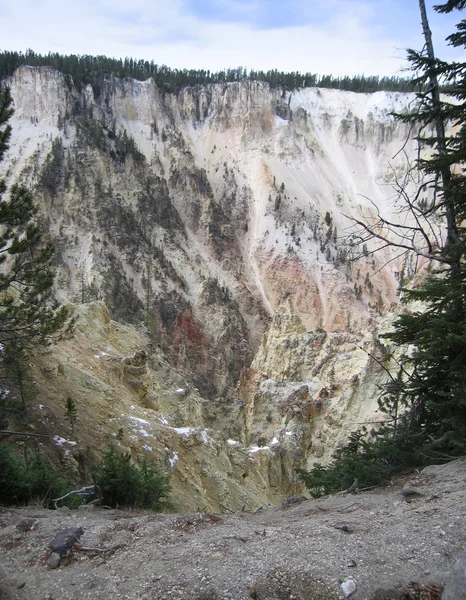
(128, 396)
(155, 199)
(214, 221)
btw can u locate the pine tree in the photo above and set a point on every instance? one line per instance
(433, 382)
(425, 401)
(71, 413)
(20, 386)
(28, 314)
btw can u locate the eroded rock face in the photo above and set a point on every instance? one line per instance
(223, 453)
(199, 212)
(214, 221)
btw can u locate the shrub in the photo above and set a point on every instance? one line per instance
(124, 483)
(155, 486)
(35, 480)
(372, 460)
(43, 482)
(12, 479)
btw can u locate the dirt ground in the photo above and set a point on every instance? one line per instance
(306, 550)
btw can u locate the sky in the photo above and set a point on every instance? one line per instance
(338, 37)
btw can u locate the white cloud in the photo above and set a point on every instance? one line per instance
(305, 48)
(161, 30)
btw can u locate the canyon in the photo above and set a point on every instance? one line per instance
(227, 324)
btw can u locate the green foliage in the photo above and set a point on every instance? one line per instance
(155, 204)
(89, 132)
(434, 388)
(119, 294)
(43, 482)
(425, 400)
(71, 412)
(28, 313)
(126, 146)
(92, 70)
(15, 362)
(216, 293)
(19, 387)
(155, 486)
(33, 480)
(148, 292)
(52, 174)
(371, 459)
(12, 477)
(87, 292)
(432, 384)
(27, 310)
(124, 483)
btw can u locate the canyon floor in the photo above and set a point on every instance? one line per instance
(383, 539)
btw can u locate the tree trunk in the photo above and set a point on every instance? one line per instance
(445, 173)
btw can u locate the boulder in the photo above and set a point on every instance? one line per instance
(64, 539)
(455, 587)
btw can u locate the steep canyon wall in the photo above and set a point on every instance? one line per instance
(215, 220)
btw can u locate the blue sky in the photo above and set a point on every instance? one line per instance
(321, 36)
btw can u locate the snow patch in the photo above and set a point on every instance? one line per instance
(163, 420)
(60, 441)
(253, 449)
(144, 433)
(233, 443)
(173, 460)
(137, 419)
(147, 448)
(183, 430)
(206, 438)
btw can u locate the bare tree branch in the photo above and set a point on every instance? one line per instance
(6, 432)
(84, 492)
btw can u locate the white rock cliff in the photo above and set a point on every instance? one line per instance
(218, 218)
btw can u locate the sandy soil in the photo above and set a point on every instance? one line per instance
(300, 551)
